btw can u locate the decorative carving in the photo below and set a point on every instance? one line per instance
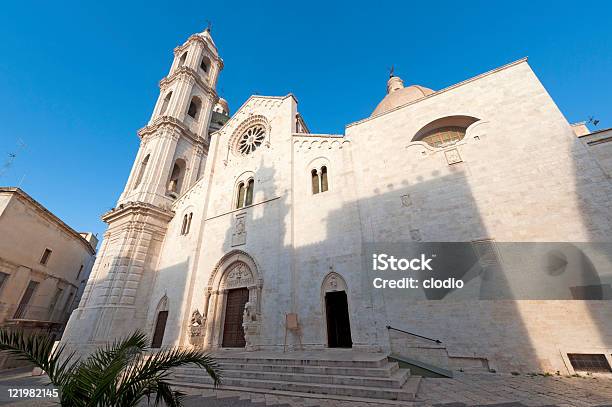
(415, 234)
(259, 129)
(196, 328)
(334, 282)
(250, 325)
(452, 156)
(323, 141)
(239, 275)
(406, 201)
(239, 235)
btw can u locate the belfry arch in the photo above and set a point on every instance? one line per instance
(232, 303)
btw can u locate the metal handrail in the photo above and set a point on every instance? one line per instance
(413, 334)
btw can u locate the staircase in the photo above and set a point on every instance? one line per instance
(342, 374)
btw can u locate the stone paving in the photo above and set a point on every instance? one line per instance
(465, 390)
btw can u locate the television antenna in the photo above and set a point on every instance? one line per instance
(593, 121)
(8, 163)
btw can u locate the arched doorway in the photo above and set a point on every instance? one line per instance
(160, 323)
(337, 320)
(232, 303)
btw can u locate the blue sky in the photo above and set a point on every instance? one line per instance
(78, 80)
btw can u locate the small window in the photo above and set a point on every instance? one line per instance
(23, 307)
(165, 104)
(189, 223)
(240, 196)
(323, 179)
(176, 178)
(3, 279)
(315, 181)
(184, 226)
(141, 171)
(248, 200)
(589, 362)
(186, 223)
(45, 257)
(182, 60)
(319, 180)
(194, 107)
(204, 64)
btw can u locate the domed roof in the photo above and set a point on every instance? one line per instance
(222, 106)
(398, 95)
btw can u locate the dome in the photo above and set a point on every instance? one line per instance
(398, 95)
(222, 106)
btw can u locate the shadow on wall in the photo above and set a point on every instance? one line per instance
(122, 308)
(438, 207)
(593, 189)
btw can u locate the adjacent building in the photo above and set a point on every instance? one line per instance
(44, 265)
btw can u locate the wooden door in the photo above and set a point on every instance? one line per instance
(233, 333)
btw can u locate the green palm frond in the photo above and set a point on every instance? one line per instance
(117, 374)
(38, 349)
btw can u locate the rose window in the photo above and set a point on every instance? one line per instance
(251, 139)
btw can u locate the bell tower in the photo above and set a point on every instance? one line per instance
(174, 144)
(171, 158)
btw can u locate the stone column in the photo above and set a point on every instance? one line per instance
(218, 321)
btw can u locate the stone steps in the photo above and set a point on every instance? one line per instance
(369, 376)
(396, 380)
(385, 371)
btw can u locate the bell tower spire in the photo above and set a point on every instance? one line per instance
(171, 158)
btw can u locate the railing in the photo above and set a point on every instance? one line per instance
(389, 327)
(36, 313)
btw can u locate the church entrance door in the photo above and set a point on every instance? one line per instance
(338, 324)
(233, 333)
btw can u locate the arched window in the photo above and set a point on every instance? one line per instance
(184, 226)
(244, 193)
(205, 63)
(189, 222)
(141, 171)
(444, 136)
(182, 60)
(248, 200)
(165, 103)
(194, 107)
(323, 179)
(176, 178)
(444, 131)
(160, 328)
(240, 196)
(315, 181)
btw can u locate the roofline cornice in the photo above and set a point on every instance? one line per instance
(48, 215)
(175, 124)
(186, 71)
(137, 208)
(482, 75)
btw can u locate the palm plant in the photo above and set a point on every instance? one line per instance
(123, 373)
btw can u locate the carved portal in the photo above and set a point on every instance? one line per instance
(235, 270)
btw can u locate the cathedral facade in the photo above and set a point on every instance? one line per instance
(246, 231)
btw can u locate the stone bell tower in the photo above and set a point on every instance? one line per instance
(171, 158)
